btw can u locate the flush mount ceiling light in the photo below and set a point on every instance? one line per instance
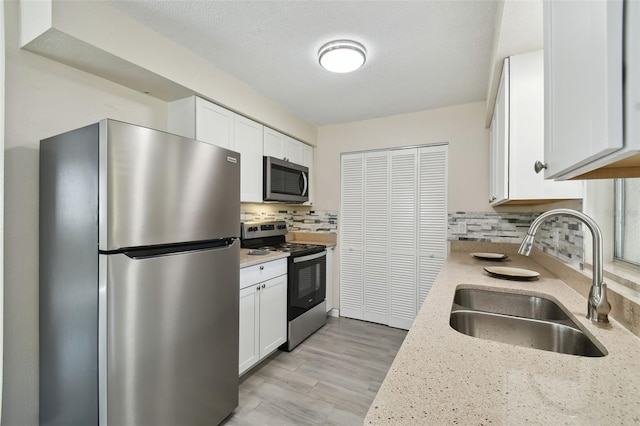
(342, 56)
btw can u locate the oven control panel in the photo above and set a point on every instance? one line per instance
(249, 230)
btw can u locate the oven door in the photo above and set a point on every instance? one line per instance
(307, 282)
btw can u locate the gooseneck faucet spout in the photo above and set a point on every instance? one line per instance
(598, 307)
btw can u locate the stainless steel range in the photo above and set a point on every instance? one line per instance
(306, 277)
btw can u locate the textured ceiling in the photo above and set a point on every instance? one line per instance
(422, 54)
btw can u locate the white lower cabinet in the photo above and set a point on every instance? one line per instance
(263, 311)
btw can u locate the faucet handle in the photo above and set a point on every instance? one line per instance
(599, 306)
(526, 245)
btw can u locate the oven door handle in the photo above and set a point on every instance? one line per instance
(309, 257)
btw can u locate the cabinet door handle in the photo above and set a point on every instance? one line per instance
(492, 199)
(258, 288)
(264, 285)
(539, 165)
(262, 267)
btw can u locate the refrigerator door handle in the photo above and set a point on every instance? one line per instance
(164, 250)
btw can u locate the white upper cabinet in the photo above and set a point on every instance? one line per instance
(517, 137)
(214, 124)
(274, 143)
(294, 151)
(307, 156)
(248, 142)
(499, 142)
(585, 91)
(281, 146)
(197, 118)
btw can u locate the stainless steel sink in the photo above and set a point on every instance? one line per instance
(520, 305)
(521, 320)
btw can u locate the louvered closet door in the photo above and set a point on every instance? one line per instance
(402, 242)
(432, 218)
(376, 236)
(351, 236)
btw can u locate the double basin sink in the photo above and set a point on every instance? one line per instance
(520, 319)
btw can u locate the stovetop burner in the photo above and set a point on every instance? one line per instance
(287, 247)
(271, 236)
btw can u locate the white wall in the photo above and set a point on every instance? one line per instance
(462, 126)
(599, 204)
(43, 98)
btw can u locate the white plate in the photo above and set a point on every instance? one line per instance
(489, 256)
(511, 273)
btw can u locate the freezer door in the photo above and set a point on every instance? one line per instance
(158, 188)
(171, 338)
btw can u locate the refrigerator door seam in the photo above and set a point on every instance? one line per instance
(103, 185)
(103, 279)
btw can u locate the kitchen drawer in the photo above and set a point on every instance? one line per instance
(264, 271)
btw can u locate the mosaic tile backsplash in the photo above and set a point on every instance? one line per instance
(480, 226)
(512, 227)
(297, 220)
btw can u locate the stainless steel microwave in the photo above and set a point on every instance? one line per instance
(285, 181)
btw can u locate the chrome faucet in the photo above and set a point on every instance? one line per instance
(597, 306)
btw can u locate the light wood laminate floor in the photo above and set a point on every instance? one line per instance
(330, 379)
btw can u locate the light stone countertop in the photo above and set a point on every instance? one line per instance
(247, 259)
(443, 377)
(322, 238)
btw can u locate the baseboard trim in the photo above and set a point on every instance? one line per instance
(333, 313)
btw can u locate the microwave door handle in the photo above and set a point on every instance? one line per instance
(304, 183)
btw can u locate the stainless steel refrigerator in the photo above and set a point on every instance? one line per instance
(139, 278)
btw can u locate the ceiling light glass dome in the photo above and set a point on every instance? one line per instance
(342, 56)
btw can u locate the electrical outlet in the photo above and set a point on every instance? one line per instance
(462, 227)
(556, 237)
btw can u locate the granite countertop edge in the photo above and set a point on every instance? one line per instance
(440, 376)
(247, 259)
(327, 239)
